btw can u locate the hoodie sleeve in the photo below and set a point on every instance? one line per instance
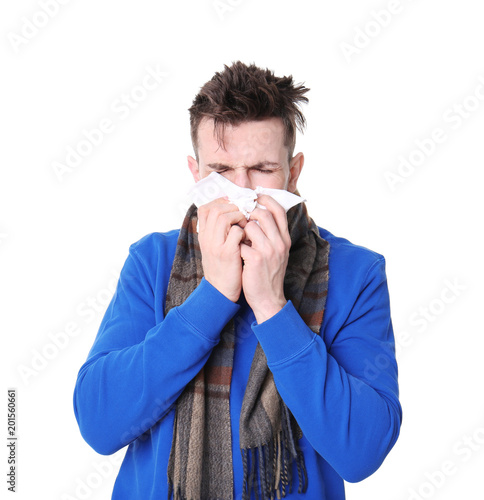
(138, 367)
(342, 392)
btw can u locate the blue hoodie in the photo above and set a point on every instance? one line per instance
(341, 386)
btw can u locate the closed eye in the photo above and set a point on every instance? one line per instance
(258, 167)
(262, 170)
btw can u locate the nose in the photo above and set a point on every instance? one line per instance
(241, 178)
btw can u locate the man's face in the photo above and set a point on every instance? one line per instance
(254, 155)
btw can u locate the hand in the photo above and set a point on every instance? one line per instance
(265, 259)
(219, 235)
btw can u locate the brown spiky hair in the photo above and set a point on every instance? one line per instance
(242, 93)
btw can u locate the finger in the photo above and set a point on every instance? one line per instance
(210, 212)
(267, 223)
(275, 245)
(205, 209)
(219, 225)
(278, 213)
(246, 251)
(235, 236)
(255, 234)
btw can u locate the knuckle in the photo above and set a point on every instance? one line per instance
(235, 229)
(280, 248)
(258, 258)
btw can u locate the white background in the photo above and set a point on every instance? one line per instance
(64, 239)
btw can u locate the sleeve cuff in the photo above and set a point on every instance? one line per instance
(284, 335)
(208, 310)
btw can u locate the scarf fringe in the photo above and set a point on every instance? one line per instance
(261, 464)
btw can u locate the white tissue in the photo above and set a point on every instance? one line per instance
(216, 186)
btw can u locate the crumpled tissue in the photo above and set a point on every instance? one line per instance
(216, 186)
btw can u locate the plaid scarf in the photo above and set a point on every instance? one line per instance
(200, 463)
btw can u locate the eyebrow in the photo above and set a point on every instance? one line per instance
(265, 163)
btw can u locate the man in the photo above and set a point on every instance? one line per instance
(253, 358)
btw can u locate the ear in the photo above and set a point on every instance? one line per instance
(193, 166)
(295, 167)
